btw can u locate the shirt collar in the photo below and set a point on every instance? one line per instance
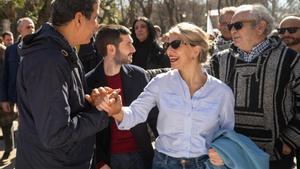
(255, 52)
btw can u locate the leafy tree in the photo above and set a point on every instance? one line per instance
(12, 10)
(110, 13)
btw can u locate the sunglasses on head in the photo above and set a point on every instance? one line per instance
(237, 25)
(175, 44)
(290, 30)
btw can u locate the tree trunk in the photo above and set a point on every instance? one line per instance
(274, 6)
(147, 10)
(44, 13)
(170, 7)
(132, 11)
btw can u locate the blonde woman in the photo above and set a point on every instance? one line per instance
(192, 104)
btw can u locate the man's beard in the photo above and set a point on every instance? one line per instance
(294, 41)
(121, 59)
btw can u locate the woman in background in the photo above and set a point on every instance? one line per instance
(148, 55)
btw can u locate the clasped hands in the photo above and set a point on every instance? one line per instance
(107, 99)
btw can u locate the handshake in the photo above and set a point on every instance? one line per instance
(106, 99)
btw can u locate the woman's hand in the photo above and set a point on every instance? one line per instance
(214, 158)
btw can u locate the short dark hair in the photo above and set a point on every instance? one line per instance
(63, 11)
(109, 34)
(6, 33)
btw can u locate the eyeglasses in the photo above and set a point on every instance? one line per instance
(237, 25)
(175, 44)
(291, 30)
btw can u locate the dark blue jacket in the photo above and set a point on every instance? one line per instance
(57, 127)
(133, 83)
(8, 90)
(88, 55)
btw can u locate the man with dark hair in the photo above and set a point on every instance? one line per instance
(7, 38)
(264, 75)
(8, 97)
(121, 149)
(57, 126)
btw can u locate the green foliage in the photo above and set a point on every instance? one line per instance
(19, 4)
(110, 12)
(15, 3)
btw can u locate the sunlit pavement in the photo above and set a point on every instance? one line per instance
(10, 162)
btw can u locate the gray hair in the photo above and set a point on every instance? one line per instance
(259, 13)
(228, 10)
(20, 22)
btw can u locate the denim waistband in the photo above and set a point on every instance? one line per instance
(183, 160)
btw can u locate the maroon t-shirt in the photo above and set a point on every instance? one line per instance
(122, 141)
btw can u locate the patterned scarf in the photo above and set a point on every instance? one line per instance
(255, 52)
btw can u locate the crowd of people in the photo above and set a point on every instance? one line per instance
(88, 95)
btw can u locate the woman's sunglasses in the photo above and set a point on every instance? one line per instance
(290, 30)
(175, 44)
(237, 25)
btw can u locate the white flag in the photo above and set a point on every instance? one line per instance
(209, 26)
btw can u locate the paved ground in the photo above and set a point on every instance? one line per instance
(9, 163)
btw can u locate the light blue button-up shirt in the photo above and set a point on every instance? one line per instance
(185, 124)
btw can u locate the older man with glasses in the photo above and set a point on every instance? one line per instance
(264, 75)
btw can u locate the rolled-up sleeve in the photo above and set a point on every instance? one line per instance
(139, 109)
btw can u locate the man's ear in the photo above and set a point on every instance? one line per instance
(78, 19)
(111, 49)
(261, 27)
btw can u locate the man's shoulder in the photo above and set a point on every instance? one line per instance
(46, 54)
(291, 52)
(223, 54)
(12, 47)
(47, 58)
(97, 72)
(129, 68)
(282, 51)
(133, 67)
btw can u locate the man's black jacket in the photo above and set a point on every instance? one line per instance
(57, 127)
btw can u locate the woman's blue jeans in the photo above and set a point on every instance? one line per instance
(162, 161)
